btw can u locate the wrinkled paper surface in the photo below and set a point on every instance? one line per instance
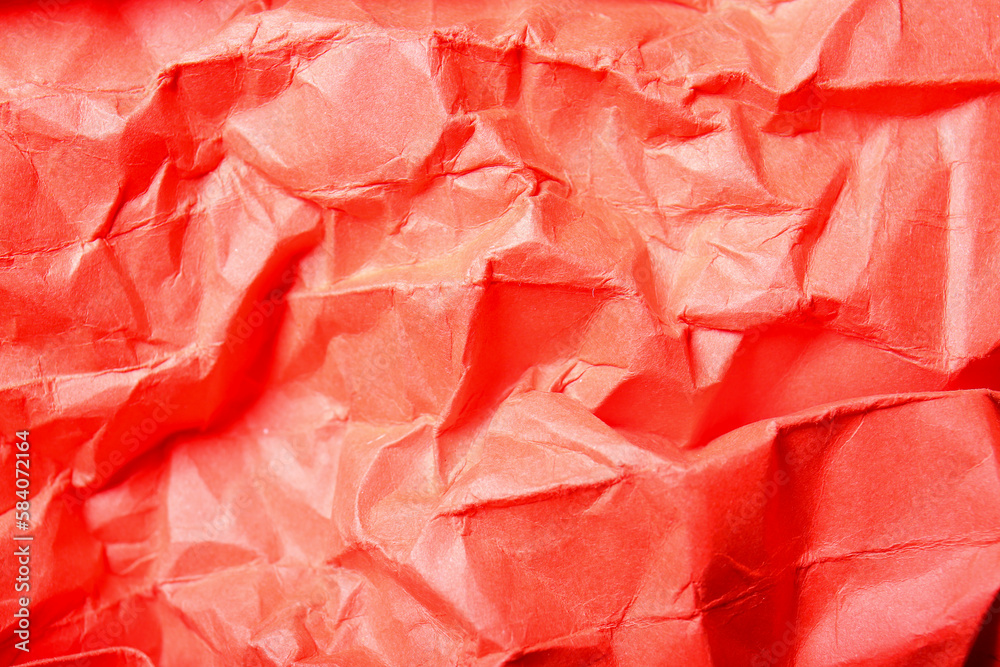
(451, 333)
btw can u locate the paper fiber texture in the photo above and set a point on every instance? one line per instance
(500, 333)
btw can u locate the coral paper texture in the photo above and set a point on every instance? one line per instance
(495, 334)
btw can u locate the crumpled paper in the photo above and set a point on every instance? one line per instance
(525, 334)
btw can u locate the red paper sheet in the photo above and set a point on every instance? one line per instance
(500, 334)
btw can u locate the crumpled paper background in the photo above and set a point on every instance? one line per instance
(516, 333)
